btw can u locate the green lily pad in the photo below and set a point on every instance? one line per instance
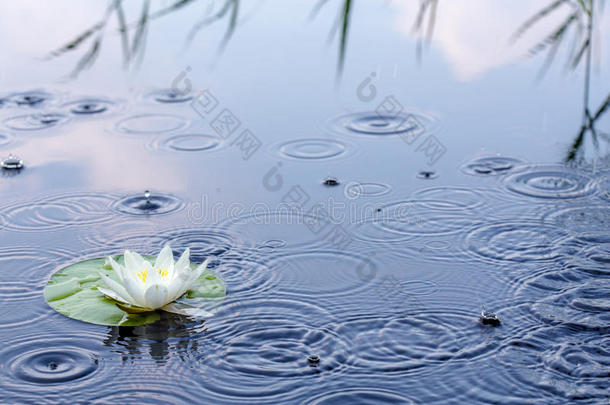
(72, 291)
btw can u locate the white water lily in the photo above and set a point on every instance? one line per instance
(149, 286)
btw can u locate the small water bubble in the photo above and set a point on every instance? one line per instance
(147, 195)
(12, 162)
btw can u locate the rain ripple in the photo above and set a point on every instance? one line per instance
(33, 122)
(553, 182)
(47, 368)
(57, 211)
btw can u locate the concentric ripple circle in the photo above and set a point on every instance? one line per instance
(203, 242)
(33, 122)
(321, 273)
(189, 143)
(363, 396)
(585, 306)
(47, 366)
(57, 211)
(295, 229)
(374, 124)
(554, 182)
(355, 190)
(411, 344)
(403, 219)
(90, 106)
(311, 149)
(54, 366)
(584, 219)
(169, 96)
(33, 265)
(151, 124)
(245, 275)
(490, 165)
(31, 98)
(155, 204)
(556, 363)
(516, 241)
(260, 348)
(452, 198)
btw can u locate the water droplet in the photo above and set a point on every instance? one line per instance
(170, 96)
(29, 98)
(427, 175)
(331, 181)
(489, 318)
(490, 165)
(313, 359)
(90, 106)
(12, 162)
(148, 204)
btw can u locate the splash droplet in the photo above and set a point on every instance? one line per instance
(313, 359)
(331, 181)
(489, 318)
(427, 175)
(12, 162)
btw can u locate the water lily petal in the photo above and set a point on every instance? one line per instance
(117, 288)
(182, 264)
(135, 288)
(133, 262)
(165, 259)
(118, 269)
(156, 296)
(155, 278)
(112, 295)
(184, 261)
(177, 288)
(195, 274)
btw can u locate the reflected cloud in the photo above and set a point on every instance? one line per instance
(475, 36)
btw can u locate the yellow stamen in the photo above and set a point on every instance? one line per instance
(143, 275)
(162, 272)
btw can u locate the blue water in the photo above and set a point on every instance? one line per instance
(362, 210)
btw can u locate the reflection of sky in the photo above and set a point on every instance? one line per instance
(277, 75)
(474, 35)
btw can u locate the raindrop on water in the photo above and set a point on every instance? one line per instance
(313, 359)
(12, 162)
(427, 175)
(331, 181)
(489, 318)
